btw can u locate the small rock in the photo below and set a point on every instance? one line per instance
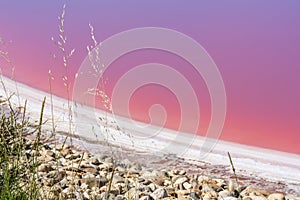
(120, 197)
(65, 151)
(194, 195)
(170, 191)
(147, 197)
(86, 195)
(92, 181)
(187, 185)
(276, 196)
(229, 198)
(120, 169)
(62, 185)
(140, 179)
(250, 191)
(180, 180)
(224, 193)
(203, 179)
(132, 194)
(62, 161)
(159, 194)
(182, 193)
(152, 186)
(117, 179)
(104, 195)
(44, 168)
(291, 197)
(135, 169)
(182, 172)
(95, 161)
(109, 160)
(258, 198)
(88, 176)
(106, 166)
(91, 170)
(206, 188)
(208, 196)
(84, 186)
(50, 153)
(220, 182)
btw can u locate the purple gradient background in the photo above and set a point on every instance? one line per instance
(255, 44)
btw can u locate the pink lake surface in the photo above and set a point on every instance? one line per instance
(255, 45)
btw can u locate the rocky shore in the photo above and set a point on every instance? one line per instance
(65, 172)
(48, 168)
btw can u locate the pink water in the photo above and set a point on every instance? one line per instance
(255, 48)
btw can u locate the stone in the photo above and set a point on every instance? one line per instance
(44, 168)
(228, 198)
(86, 196)
(91, 170)
(167, 182)
(250, 191)
(147, 197)
(95, 195)
(187, 185)
(258, 198)
(182, 172)
(182, 193)
(95, 161)
(120, 169)
(132, 194)
(64, 152)
(62, 161)
(203, 179)
(208, 196)
(134, 169)
(291, 197)
(159, 194)
(224, 193)
(276, 196)
(88, 175)
(90, 181)
(194, 195)
(152, 186)
(120, 197)
(206, 188)
(106, 166)
(180, 180)
(62, 185)
(220, 182)
(86, 156)
(109, 160)
(104, 195)
(50, 153)
(170, 191)
(117, 179)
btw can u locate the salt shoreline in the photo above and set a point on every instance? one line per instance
(270, 166)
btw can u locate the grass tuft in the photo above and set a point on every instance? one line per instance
(18, 157)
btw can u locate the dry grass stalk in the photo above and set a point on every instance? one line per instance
(66, 56)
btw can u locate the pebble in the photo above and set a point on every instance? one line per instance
(159, 193)
(276, 196)
(225, 193)
(187, 185)
(180, 180)
(258, 198)
(72, 174)
(147, 197)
